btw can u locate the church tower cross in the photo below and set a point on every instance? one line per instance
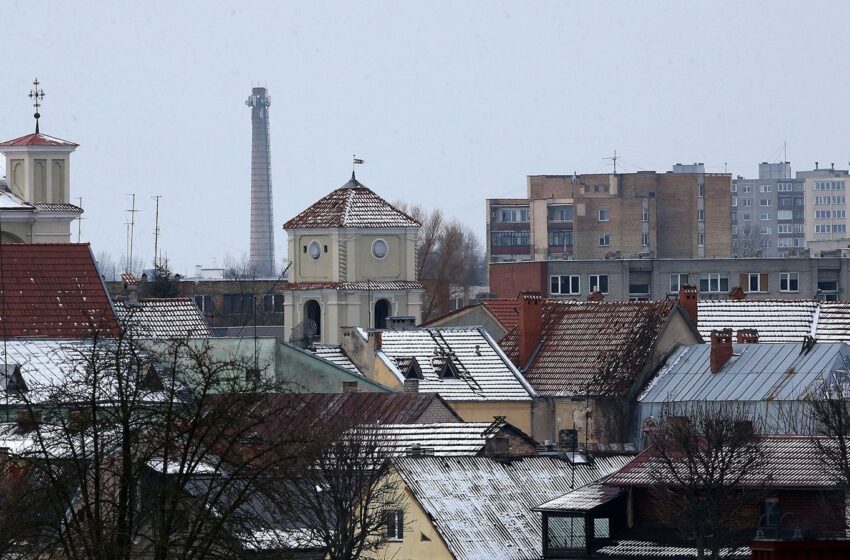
(37, 95)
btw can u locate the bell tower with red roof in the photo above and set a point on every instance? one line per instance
(35, 199)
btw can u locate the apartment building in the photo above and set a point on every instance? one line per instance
(768, 213)
(824, 278)
(825, 192)
(683, 213)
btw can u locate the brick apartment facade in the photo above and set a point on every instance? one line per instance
(684, 213)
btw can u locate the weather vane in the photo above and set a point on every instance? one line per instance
(37, 95)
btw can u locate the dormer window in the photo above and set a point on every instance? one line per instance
(413, 370)
(314, 250)
(449, 371)
(12, 380)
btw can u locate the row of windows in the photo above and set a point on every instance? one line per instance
(509, 215)
(787, 242)
(510, 238)
(713, 282)
(748, 216)
(825, 214)
(829, 185)
(766, 188)
(790, 228)
(570, 285)
(840, 199)
(830, 228)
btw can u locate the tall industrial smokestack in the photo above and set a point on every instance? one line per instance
(262, 236)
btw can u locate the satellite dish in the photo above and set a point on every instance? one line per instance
(303, 333)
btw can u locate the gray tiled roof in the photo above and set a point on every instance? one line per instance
(446, 439)
(484, 371)
(335, 354)
(755, 372)
(163, 318)
(775, 320)
(484, 509)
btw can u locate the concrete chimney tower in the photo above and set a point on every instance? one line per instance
(262, 234)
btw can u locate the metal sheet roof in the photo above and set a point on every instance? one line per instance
(484, 509)
(582, 499)
(755, 372)
(484, 372)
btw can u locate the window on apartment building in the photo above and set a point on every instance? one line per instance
(395, 525)
(839, 213)
(510, 238)
(784, 187)
(783, 228)
(677, 281)
(700, 215)
(746, 188)
(734, 230)
(784, 242)
(822, 228)
(701, 239)
(644, 215)
(701, 190)
(786, 202)
(789, 282)
(603, 215)
(747, 202)
(734, 201)
(747, 216)
(799, 228)
(764, 216)
(839, 199)
(754, 282)
(565, 285)
(599, 283)
(713, 283)
(839, 228)
(764, 202)
(785, 215)
(765, 230)
(238, 304)
(560, 238)
(766, 243)
(560, 213)
(644, 239)
(734, 187)
(273, 303)
(203, 302)
(508, 215)
(604, 240)
(766, 188)
(821, 214)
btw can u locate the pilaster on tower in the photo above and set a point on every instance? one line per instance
(262, 233)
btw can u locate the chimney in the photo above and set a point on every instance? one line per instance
(595, 296)
(688, 301)
(816, 166)
(737, 293)
(721, 349)
(378, 341)
(262, 224)
(132, 295)
(530, 324)
(411, 385)
(747, 336)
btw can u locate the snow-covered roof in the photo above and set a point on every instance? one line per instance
(477, 368)
(484, 509)
(585, 498)
(775, 320)
(163, 318)
(352, 205)
(445, 439)
(11, 201)
(335, 354)
(755, 372)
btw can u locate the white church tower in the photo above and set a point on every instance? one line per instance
(353, 258)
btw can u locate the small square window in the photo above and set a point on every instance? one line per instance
(603, 215)
(604, 240)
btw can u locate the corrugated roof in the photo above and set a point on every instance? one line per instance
(163, 318)
(755, 372)
(445, 439)
(484, 509)
(483, 371)
(335, 354)
(833, 321)
(585, 498)
(53, 290)
(591, 347)
(775, 320)
(352, 205)
(791, 462)
(633, 548)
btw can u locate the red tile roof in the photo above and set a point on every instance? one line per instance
(52, 290)
(37, 139)
(504, 310)
(352, 205)
(591, 348)
(790, 461)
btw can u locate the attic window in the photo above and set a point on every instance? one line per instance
(413, 370)
(12, 380)
(449, 371)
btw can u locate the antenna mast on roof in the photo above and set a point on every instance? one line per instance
(131, 230)
(37, 95)
(156, 233)
(80, 220)
(613, 160)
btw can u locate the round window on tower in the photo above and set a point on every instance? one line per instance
(314, 250)
(379, 248)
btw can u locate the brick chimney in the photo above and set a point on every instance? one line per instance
(721, 349)
(737, 293)
(378, 340)
(411, 385)
(530, 324)
(688, 301)
(595, 296)
(747, 336)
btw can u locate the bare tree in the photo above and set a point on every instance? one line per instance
(134, 452)
(107, 267)
(748, 241)
(447, 252)
(349, 499)
(709, 466)
(136, 267)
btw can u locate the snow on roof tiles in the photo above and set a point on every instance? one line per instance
(163, 318)
(484, 509)
(335, 354)
(484, 373)
(775, 320)
(57, 207)
(352, 205)
(582, 499)
(591, 347)
(446, 439)
(53, 290)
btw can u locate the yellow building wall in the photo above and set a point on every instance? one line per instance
(421, 540)
(391, 267)
(309, 269)
(517, 413)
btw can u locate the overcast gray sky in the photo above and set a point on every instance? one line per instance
(448, 102)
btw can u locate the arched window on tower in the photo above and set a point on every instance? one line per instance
(313, 312)
(382, 311)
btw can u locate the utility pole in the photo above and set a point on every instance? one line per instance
(156, 233)
(131, 229)
(79, 220)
